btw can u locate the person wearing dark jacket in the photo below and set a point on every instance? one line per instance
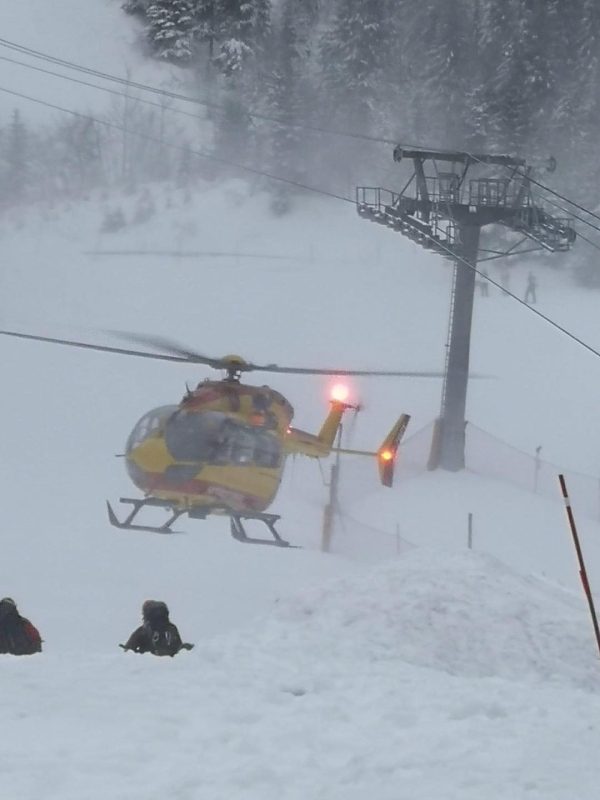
(18, 637)
(156, 634)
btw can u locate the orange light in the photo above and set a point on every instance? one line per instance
(386, 455)
(340, 393)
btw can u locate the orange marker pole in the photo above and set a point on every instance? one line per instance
(582, 570)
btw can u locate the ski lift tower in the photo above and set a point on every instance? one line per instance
(454, 198)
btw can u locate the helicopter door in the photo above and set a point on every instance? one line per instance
(267, 450)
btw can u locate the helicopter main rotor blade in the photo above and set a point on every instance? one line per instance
(99, 347)
(175, 353)
(346, 372)
(172, 348)
(175, 349)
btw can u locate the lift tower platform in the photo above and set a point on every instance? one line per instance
(453, 200)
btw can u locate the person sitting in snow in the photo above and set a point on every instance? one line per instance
(18, 637)
(156, 634)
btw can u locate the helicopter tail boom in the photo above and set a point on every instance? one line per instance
(388, 452)
(320, 446)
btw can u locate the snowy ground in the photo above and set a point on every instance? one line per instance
(436, 676)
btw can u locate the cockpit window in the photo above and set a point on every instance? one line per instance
(214, 438)
(148, 425)
(194, 436)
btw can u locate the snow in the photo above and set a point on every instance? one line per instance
(400, 666)
(435, 676)
(96, 35)
(437, 673)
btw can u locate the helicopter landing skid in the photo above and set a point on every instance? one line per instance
(239, 534)
(127, 523)
(237, 526)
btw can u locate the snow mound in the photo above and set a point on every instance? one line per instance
(319, 700)
(463, 613)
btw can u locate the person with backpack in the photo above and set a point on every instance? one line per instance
(18, 637)
(156, 634)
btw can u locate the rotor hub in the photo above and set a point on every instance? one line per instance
(233, 366)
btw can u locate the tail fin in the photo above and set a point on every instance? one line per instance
(387, 453)
(320, 446)
(331, 425)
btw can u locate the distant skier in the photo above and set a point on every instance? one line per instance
(531, 287)
(505, 280)
(483, 284)
(18, 637)
(156, 635)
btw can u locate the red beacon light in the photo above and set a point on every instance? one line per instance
(339, 393)
(387, 459)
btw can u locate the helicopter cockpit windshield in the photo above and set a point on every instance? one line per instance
(149, 425)
(212, 437)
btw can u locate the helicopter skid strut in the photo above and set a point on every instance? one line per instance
(238, 532)
(128, 524)
(236, 520)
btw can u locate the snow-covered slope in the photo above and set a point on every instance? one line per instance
(342, 292)
(437, 676)
(95, 34)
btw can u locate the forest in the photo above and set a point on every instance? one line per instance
(277, 76)
(518, 76)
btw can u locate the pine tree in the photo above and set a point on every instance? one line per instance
(492, 35)
(577, 118)
(447, 71)
(206, 23)
(288, 53)
(241, 26)
(577, 109)
(353, 52)
(137, 7)
(302, 16)
(523, 81)
(16, 159)
(172, 29)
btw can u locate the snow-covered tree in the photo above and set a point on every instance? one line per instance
(172, 29)
(137, 7)
(447, 69)
(353, 53)
(206, 23)
(16, 160)
(241, 27)
(288, 57)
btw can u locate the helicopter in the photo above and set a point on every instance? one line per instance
(222, 448)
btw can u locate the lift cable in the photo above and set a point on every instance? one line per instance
(185, 98)
(324, 192)
(285, 122)
(181, 148)
(102, 88)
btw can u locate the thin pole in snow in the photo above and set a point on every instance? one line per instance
(582, 571)
(470, 532)
(537, 468)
